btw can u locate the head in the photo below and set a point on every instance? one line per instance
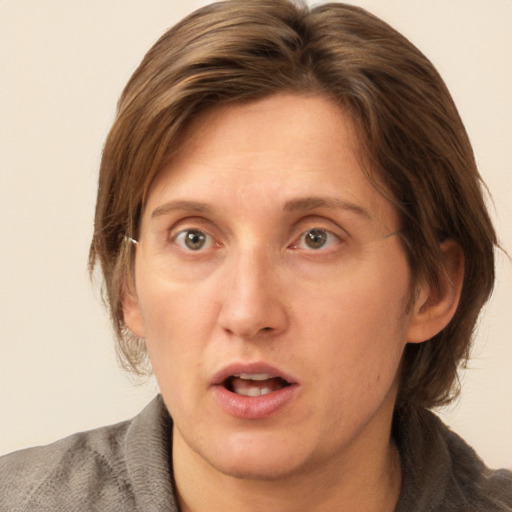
(411, 144)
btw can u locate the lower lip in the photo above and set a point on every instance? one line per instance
(254, 408)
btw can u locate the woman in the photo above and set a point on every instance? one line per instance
(293, 236)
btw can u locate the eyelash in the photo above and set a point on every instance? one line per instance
(191, 232)
(330, 238)
(315, 236)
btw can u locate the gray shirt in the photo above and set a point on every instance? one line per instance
(126, 467)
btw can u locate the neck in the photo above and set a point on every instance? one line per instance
(365, 480)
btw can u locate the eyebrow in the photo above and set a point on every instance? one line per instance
(312, 203)
(187, 206)
(302, 203)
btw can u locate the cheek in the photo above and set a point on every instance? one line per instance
(353, 355)
(172, 343)
(170, 306)
(177, 320)
(358, 325)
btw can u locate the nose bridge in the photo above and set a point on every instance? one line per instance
(252, 296)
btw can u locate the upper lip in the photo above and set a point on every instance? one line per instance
(250, 368)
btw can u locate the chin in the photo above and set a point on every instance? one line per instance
(259, 468)
(257, 458)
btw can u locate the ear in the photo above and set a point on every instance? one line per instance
(433, 309)
(131, 311)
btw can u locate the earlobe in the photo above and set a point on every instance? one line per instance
(131, 312)
(434, 308)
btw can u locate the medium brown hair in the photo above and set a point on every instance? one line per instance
(410, 132)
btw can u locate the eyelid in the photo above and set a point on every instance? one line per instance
(219, 237)
(298, 241)
(208, 244)
(311, 222)
(190, 223)
(195, 223)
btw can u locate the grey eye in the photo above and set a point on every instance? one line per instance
(193, 239)
(315, 238)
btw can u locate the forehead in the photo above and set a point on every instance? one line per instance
(271, 152)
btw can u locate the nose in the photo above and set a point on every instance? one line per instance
(253, 302)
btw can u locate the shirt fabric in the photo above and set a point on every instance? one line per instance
(126, 467)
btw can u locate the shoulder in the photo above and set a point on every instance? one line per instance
(441, 472)
(472, 481)
(70, 474)
(118, 468)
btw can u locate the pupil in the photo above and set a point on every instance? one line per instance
(195, 240)
(316, 238)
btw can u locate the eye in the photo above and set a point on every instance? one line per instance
(193, 240)
(315, 239)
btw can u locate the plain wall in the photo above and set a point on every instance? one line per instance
(63, 65)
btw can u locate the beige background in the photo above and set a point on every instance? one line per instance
(63, 65)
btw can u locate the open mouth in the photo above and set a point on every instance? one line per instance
(254, 384)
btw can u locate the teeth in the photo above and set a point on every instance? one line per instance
(254, 384)
(255, 376)
(254, 392)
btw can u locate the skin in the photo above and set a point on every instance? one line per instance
(334, 317)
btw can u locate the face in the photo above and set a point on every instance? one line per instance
(272, 291)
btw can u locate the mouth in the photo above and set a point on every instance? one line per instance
(253, 391)
(254, 384)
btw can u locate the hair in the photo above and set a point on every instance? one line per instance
(408, 125)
